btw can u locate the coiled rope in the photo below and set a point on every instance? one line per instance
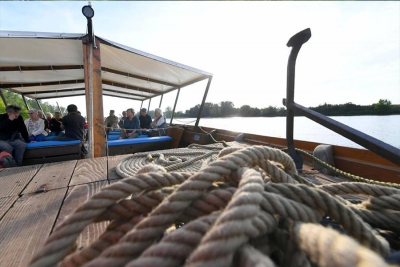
(246, 207)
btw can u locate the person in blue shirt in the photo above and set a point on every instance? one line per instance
(131, 125)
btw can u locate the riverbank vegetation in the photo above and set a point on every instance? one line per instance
(16, 99)
(227, 109)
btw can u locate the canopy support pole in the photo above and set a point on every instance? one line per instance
(161, 100)
(40, 106)
(26, 103)
(141, 105)
(3, 98)
(94, 97)
(176, 101)
(148, 107)
(202, 103)
(59, 109)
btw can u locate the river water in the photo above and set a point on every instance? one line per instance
(384, 128)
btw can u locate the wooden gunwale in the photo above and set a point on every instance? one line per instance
(360, 162)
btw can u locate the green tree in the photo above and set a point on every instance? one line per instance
(383, 106)
(226, 108)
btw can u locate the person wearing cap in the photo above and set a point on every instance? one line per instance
(145, 120)
(111, 121)
(131, 125)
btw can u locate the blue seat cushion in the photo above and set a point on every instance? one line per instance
(52, 143)
(112, 137)
(114, 132)
(140, 140)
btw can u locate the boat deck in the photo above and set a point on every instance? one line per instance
(34, 199)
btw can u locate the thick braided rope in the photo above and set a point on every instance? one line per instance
(248, 256)
(206, 204)
(60, 242)
(317, 240)
(150, 229)
(174, 248)
(359, 188)
(318, 199)
(130, 218)
(383, 202)
(272, 203)
(383, 219)
(114, 232)
(237, 223)
(291, 254)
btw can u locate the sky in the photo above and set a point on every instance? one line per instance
(352, 56)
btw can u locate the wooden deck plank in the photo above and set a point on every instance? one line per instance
(6, 203)
(14, 180)
(26, 226)
(90, 170)
(112, 164)
(75, 197)
(52, 176)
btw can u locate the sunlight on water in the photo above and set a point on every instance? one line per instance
(384, 128)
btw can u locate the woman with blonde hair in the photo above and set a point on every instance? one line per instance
(35, 127)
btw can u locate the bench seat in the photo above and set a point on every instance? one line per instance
(140, 144)
(51, 151)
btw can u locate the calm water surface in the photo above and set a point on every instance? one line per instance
(384, 128)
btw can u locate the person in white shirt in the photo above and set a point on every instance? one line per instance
(158, 125)
(35, 127)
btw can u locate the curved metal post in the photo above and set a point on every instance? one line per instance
(295, 42)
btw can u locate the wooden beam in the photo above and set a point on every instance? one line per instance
(12, 85)
(127, 86)
(127, 74)
(94, 97)
(36, 68)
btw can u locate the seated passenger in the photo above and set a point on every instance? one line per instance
(55, 124)
(131, 125)
(111, 122)
(49, 116)
(46, 124)
(12, 128)
(158, 125)
(35, 127)
(121, 120)
(72, 124)
(145, 120)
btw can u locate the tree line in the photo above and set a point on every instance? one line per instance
(16, 99)
(228, 109)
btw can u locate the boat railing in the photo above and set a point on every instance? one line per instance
(378, 147)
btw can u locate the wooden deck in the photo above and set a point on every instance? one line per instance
(34, 199)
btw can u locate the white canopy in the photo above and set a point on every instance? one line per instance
(50, 65)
